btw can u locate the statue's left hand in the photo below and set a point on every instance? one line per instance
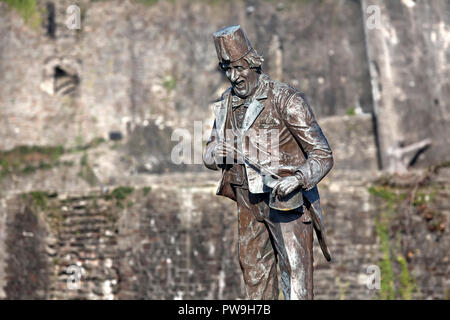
(286, 186)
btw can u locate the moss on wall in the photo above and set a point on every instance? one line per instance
(398, 202)
(24, 160)
(28, 9)
(393, 285)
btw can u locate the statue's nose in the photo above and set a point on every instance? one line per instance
(234, 75)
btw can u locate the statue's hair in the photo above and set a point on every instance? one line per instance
(254, 60)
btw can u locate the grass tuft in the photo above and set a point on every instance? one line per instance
(28, 9)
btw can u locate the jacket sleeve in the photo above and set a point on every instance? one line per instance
(300, 121)
(208, 155)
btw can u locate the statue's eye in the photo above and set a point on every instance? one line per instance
(239, 68)
(224, 67)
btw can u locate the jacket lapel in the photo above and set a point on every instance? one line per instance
(253, 111)
(255, 108)
(220, 112)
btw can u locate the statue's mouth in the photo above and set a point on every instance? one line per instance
(239, 85)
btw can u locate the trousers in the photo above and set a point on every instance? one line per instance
(268, 237)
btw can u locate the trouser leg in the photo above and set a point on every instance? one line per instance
(293, 239)
(256, 254)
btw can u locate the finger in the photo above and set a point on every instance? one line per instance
(282, 192)
(222, 153)
(223, 150)
(281, 189)
(288, 190)
(229, 151)
(218, 154)
(275, 189)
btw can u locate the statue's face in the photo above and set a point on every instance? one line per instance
(243, 78)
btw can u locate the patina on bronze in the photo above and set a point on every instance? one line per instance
(252, 104)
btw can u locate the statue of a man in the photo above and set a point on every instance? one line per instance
(268, 233)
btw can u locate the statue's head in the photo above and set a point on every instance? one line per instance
(240, 62)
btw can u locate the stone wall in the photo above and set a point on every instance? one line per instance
(409, 57)
(132, 64)
(180, 241)
(169, 236)
(129, 244)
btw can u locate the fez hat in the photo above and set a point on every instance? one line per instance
(231, 44)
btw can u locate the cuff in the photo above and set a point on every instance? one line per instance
(301, 179)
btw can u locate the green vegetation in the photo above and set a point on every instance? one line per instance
(121, 193)
(423, 198)
(169, 82)
(350, 111)
(80, 146)
(39, 199)
(23, 151)
(147, 2)
(55, 219)
(29, 159)
(389, 280)
(86, 171)
(423, 202)
(407, 283)
(387, 291)
(343, 288)
(146, 190)
(28, 10)
(389, 195)
(79, 140)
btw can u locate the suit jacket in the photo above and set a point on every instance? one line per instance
(299, 145)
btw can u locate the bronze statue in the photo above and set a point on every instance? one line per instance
(278, 205)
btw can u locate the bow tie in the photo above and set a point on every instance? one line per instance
(237, 102)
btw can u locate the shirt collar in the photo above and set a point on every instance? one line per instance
(260, 93)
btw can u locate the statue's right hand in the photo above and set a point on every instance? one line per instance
(221, 151)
